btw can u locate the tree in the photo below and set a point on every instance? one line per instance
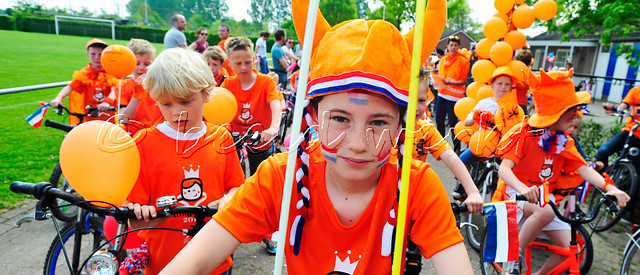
(273, 12)
(459, 18)
(363, 8)
(612, 20)
(336, 11)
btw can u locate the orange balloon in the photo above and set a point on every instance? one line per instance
(515, 39)
(518, 2)
(503, 6)
(523, 17)
(494, 28)
(464, 133)
(482, 70)
(545, 10)
(484, 142)
(501, 53)
(472, 89)
(221, 108)
(118, 61)
(483, 48)
(484, 92)
(502, 16)
(463, 107)
(100, 161)
(519, 69)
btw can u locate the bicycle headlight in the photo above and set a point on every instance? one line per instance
(634, 151)
(102, 262)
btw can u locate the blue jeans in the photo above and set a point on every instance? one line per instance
(468, 158)
(264, 65)
(610, 147)
(444, 108)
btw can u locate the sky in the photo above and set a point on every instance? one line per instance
(481, 9)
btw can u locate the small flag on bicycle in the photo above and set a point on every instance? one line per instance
(543, 190)
(502, 243)
(36, 118)
(583, 191)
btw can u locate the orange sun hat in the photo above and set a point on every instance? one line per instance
(553, 94)
(503, 70)
(96, 41)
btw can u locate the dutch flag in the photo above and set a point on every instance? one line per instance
(36, 118)
(502, 244)
(583, 189)
(543, 190)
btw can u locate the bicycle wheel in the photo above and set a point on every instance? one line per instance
(92, 238)
(489, 268)
(487, 181)
(65, 213)
(631, 258)
(624, 176)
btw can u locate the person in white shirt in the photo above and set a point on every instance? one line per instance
(261, 51)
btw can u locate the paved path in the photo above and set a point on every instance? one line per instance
(23, 249)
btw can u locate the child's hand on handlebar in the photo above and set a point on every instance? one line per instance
(145, 212)
(474, 202)
(268, 135)
(219, 203)
(620, 195)
(103, 107)
(55, 102)
(531, 194)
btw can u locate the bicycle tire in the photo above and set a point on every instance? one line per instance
(55, 262)
(585, 248)
(631, 257)
(65, 213)
(474, 236)
(625, 178)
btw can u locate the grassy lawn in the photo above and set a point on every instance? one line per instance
(29, 154)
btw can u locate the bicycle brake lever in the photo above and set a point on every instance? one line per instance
(463, 224)
(23, 219)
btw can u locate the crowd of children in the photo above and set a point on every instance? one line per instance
(345, 205)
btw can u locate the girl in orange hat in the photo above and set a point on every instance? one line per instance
(343, 214)
(538, 151)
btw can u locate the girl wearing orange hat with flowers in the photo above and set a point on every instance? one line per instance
(538, 151)
(343, 215)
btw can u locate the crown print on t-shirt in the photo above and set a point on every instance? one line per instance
(546, 171)
(345, 267)
(191, 188)
(245, 113)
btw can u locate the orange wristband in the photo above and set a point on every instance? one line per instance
(607, 181)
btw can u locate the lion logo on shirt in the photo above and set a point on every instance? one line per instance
(245, 113)
(191, 188)
(546, 171)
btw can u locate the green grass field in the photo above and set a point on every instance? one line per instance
(29, 154)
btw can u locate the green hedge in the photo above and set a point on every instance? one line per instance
(100, 30)
(7, 23)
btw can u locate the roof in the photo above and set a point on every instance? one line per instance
(446, 34)
(556, 36)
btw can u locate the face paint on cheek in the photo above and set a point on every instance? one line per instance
(329, 154)
(361, 99)
(325, 139)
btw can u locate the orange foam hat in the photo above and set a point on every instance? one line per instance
(370, 55)
(96, 42)
(503, 70)
(553, 94)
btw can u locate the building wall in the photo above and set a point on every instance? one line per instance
(609, 64)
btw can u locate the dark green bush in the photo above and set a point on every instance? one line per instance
(7, 23)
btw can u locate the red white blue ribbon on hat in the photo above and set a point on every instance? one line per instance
(330, 84)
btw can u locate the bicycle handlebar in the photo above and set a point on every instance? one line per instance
(252, 138)
(59, 125)
(607, 199)
(45, 190)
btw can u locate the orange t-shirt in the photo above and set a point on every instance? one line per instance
(326, 244)
(221, 77)
(533, 166)
(128, 89)
(225, 64)
(207, 163)
(633, 100)
(455, 67)
(522, 88)
(254, 109)
(428, 138)
(90, 87)
(147, 114)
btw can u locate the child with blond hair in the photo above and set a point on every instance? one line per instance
(183, 157)
(215, 58)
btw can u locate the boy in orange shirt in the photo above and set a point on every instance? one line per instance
(90, 86)
(343, 215)
(141, 111)
(538, 151)
(215, 58)
(183, 157)
(258, 98)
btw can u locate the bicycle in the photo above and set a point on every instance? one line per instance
(631, 259)
(624, 175)
(580, 252)
(67, 213)
(241, 142)
(89, 224)
(485, 174)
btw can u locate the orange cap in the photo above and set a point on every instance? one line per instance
(96, 41)
(553, 94)
(503, 70)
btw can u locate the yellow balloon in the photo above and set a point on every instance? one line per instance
(502, 16)
(463, 107)
(545, 10)
(483, 48)
(484, 142)
(100, 161)
(221, 108)
(523, 17)
(503, 6)
(482, 70)
(501, 53)
(495, 28)
(464, 133)
(472, 89)
(484, 92)
(518, 2)
(515, 39)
